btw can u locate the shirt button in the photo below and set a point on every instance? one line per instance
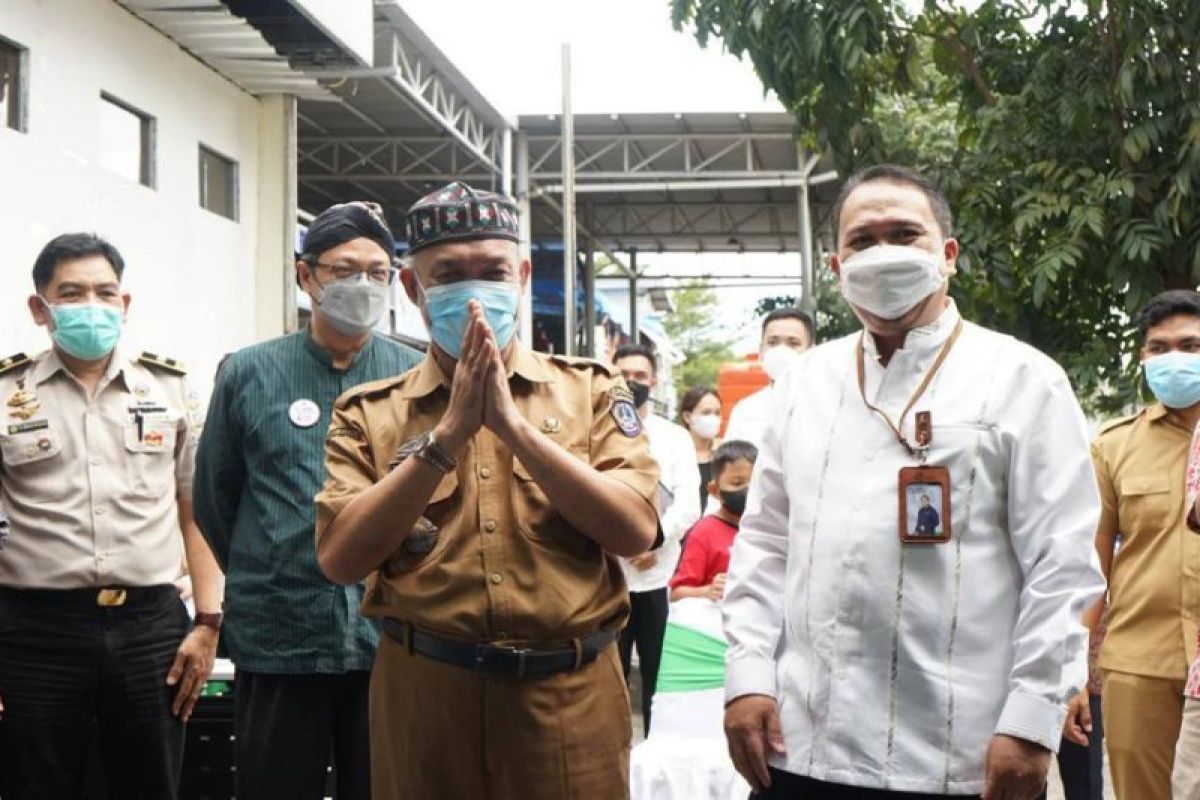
(485, 473)
(490, 526)
(95, 462)
(31, 450)
(497, 578)
(99, 510)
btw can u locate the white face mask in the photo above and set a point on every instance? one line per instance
(353, 306)
(890, 280)
(777, 359)
(706, 426)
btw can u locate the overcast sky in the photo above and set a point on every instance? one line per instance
(625, 57)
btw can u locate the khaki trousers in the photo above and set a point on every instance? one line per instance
(1185, 778)
(440, 732)
(1141, 725)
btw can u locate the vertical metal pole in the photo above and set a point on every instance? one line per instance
(589, 299)
(568, 202)
(808, 299)
(526, 244)
(506, 163)
(633, 303)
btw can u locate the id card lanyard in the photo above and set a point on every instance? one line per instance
(923, 492)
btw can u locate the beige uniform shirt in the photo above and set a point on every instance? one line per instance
(91, 495)
(505, 566)
(1141, 462)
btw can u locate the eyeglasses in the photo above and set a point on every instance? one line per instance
(341, 272)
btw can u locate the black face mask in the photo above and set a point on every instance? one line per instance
(734, 501)
(641, 393)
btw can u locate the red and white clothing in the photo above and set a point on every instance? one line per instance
(706, 552)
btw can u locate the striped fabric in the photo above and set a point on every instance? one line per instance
(260, 463)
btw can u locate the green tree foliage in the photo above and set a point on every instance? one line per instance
(834, 317)
(693, 327)
(1065, 133)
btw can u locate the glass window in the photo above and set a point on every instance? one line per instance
(126, 143)
(12, 85)
(218, 183)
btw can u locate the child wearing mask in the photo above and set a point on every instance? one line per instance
(701, 571)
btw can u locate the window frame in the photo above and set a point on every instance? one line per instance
(234, 199)
(147, 139)
(18, 106)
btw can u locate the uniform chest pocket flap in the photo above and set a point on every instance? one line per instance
(154, 436)
(536, 516)
(1146, 503)
(1141, 485)
(30, 448)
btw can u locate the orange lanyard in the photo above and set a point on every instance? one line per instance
(897, 427)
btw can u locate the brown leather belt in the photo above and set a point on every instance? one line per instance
(499, 659)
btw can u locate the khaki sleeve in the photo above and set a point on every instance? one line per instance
(615, 452)
(187, 437)
(1109, 519)
(349, 464)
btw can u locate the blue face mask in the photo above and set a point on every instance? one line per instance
(448, 315)
(87, 331)
(1174, 378)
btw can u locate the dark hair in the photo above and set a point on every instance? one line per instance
(630, 350)
(68, 247)
(731, 451)
(692, 397)
(893, 173)
(791, 312)
(1167, 304)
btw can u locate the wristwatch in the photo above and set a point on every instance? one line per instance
(209, 619)
(428, 450)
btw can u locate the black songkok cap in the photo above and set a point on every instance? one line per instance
(458, 213)
(346, 221)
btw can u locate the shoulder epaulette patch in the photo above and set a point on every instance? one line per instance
(161, 362)
(1113, 424)
(382, 385)
(580, 362)
(14, 361)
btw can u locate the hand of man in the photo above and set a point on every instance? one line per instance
(1079, 719)
(1016, 769)
(184, 585)
(753, 733)
(500, 414)
(464, 412)
(716, 589)
(644, 562)
(193, 664)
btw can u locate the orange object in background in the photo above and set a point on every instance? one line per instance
(737, 380)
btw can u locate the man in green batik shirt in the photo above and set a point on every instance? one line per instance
(303, 653)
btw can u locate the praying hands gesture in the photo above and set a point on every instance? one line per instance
(479, 393)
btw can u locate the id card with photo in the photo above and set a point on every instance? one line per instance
(924, 500)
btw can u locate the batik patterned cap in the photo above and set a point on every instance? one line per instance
(458, 213)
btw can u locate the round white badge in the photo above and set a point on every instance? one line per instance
(304, 413)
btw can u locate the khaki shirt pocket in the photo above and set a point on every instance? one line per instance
(1145, 504)
(428, 538)
(150, 454)
(536, 517)
(33, 462)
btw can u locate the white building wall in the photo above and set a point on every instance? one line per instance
(194, 276)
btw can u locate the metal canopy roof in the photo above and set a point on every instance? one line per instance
(685, 182)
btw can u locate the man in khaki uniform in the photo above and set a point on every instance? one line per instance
(1153, 594)
(488, 492)
(96, 460)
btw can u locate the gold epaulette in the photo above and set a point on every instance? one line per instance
(15, 361)
(166, 364)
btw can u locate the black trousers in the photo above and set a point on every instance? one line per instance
(788, 786)
(1082, 768)
(646, 628)
(289, 727)
(72, 673)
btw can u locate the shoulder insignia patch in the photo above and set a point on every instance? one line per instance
(626, 416)
(14, 361)
(1119, 422)
(161, 362)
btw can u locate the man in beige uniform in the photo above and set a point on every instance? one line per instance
(1153, 592)
(96, 461)
(488, 492)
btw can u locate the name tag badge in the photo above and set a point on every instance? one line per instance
(304, 413)
(924, 500)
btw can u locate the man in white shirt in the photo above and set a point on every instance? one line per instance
(679, 506)
(864, 664)
(786, 333)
